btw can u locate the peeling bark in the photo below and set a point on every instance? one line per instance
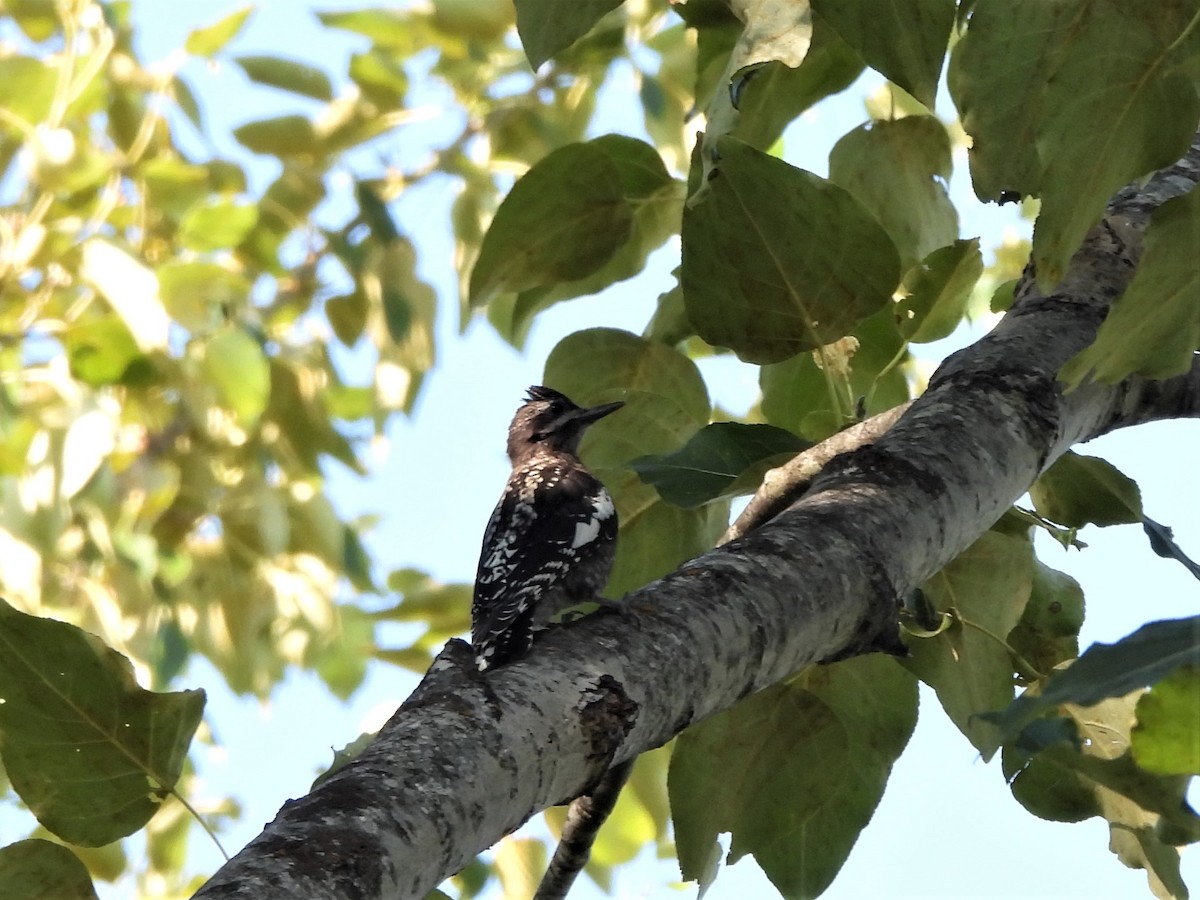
(468, 758)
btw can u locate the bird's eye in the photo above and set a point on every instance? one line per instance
(555, 409)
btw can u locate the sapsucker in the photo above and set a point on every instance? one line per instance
(550, 540)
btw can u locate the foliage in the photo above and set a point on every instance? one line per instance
(171, 398)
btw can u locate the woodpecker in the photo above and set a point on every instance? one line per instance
(550, 540)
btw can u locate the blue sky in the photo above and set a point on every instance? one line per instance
(947, 826)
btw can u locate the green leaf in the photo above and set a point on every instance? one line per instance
(1079, 489)
(197, 294)
(217, 224)
(1048, 786)
(40, 870)
(719, 460)
(91, 754)
(939, 289)
(1166, 738)
(898, 170)
(173, 185)
(657, 203)
(778, 93)
(387, 28)
(347, 315)
(549, 26)
(381, 77)
(984, 589)
(287, 75)
(1095, 95)
(305, 430)
(1153, 329)
(26, 88)
(130, 288)
(281, 136)
(563, 220)
(745, 285)
(761, 771)
(187, 103)
(100, 349)
(208, 40)
(1107, 670)
(1094, 775)
(905, 41)
(235, 364)
(37, 18)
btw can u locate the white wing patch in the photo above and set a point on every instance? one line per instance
(586, 532)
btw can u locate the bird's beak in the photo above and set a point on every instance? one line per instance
(585, 417)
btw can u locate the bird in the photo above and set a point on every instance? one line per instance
(550, 541)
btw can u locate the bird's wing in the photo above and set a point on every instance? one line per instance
(546, 514)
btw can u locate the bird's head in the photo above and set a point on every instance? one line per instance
(549, 420)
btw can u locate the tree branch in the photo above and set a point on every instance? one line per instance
(468, 758)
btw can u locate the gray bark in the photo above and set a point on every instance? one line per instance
(469, 758)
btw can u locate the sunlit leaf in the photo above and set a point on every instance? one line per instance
(1093, 775)
(1166, 738)
(283, 136)
(287, 74)
(100, 350)
(130, 288)
(380, 76)
(198, 295)
(234, 362)
(388, 28)
(26, 87)
(208, 40)
(217, 224)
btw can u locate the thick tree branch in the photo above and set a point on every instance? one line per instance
(467, 759)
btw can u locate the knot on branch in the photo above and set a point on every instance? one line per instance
(607, 715)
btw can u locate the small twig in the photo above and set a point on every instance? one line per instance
(584, 817)
(785, 485)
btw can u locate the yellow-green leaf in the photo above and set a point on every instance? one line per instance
(208, 40)
(234, 362)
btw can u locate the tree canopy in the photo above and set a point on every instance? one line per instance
(200, 332)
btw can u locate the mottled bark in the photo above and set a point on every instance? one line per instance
(469, 758)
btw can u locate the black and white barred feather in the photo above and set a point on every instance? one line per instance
(551, 538)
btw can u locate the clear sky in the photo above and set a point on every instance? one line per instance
(947, 826)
